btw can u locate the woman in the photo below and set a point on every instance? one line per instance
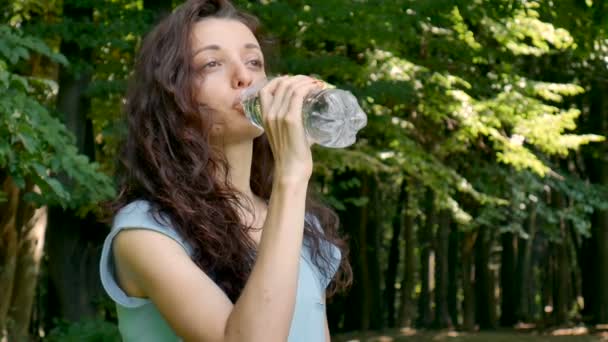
(213, 238)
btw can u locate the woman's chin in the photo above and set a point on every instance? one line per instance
(251, 132)
(258, 132)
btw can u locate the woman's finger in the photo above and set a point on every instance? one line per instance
(290, 126)
(284, 89)
(296, 103)
(267, 92)
(292, 91)
(282, 119)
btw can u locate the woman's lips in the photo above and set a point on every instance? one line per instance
(238, 105)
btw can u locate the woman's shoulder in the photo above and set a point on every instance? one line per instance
(142, 214)
(136, 215)
(134, 208)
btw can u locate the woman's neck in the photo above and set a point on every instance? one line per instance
(239, 158)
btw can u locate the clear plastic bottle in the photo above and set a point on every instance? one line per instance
(332, 117)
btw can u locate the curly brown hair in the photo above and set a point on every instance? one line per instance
(167, 159)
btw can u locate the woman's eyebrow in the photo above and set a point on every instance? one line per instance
(252, 46)
(208, 47)
(217, 47)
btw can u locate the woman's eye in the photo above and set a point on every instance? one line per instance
(256, 63)
(211, 64)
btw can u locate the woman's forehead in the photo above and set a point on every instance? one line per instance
(222, 33)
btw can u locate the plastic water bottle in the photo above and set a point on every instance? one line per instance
(332, 117)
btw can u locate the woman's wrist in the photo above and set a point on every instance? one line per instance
(291, 182)
(293, 174)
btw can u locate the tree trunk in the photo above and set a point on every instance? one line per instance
(425, 318)
(373, 284)
(562, 270)
(442, 314)
(364, 277)
(72, 256)
(562, 283)
(586, 263)
(453, 268)
(548, 276)
(354, 220)
(524, 270)
(394, 256)
(22, 230)
(468, 282)
(576, 292)
(576, 241)
(32, 223)
(508, 280)
(600, 223)
(408, 306)
(598, 173)
(8, 248)
(484, 281)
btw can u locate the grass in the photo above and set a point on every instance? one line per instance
(579, 334)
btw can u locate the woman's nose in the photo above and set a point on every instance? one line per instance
(242, 77)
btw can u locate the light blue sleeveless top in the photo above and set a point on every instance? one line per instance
(140, 321)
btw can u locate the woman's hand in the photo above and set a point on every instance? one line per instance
(281, 101)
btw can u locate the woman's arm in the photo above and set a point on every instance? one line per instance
(194, 306)
(265, 309)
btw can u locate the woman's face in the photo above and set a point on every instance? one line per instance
(227, 59)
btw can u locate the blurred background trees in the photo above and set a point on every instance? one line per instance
(476, 197)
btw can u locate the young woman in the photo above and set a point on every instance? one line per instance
(213, 237)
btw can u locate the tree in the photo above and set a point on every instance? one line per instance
(483, 147)
(34, 149)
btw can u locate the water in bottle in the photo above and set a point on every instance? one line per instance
(332, 117)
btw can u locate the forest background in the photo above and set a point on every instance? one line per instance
(475, 199)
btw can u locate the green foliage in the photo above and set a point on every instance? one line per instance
(88, 330)
(527, 191)
(15, 46)
(478, 103)
(34, 146)
(525, 34)
(444, 83)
